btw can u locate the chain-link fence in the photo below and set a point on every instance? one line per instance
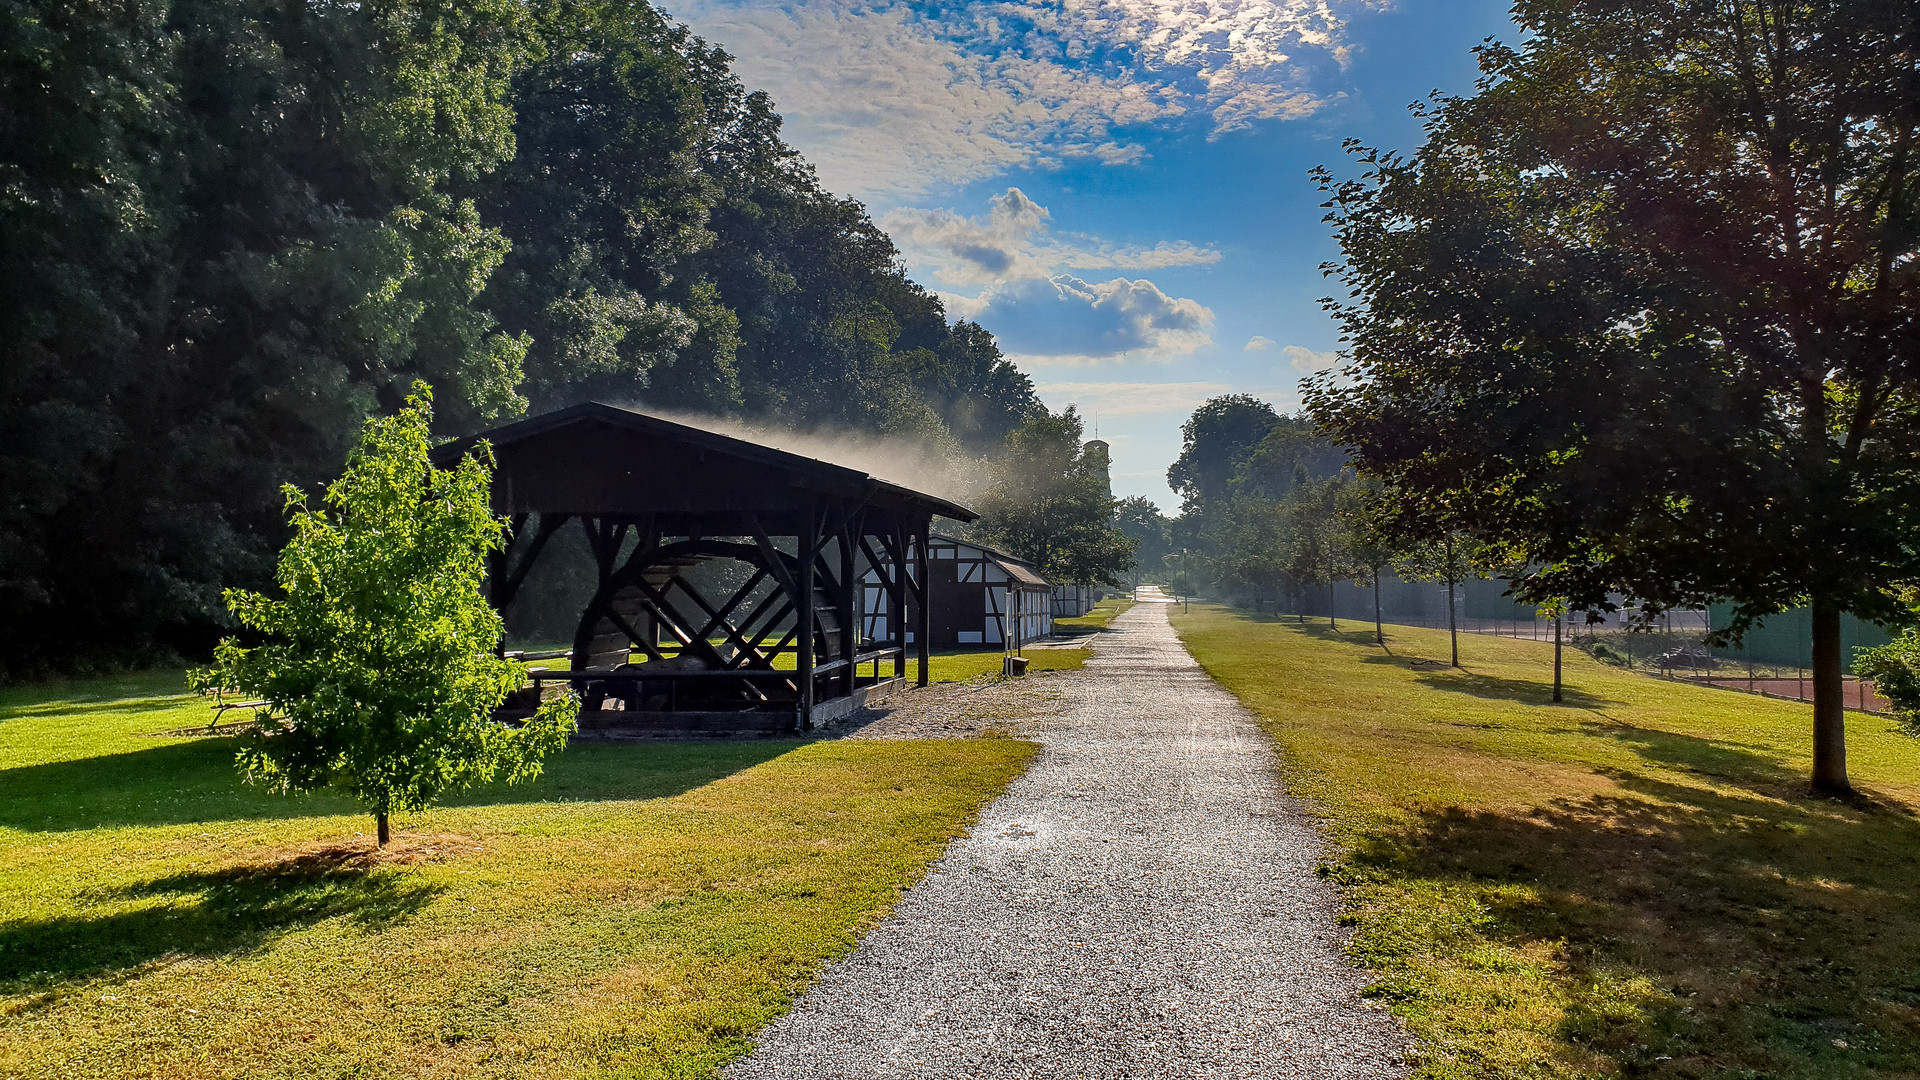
(1774, 657)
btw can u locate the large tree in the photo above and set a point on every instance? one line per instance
(230, 230)
(1643, 309)
(1049, 503)
(1139, 520)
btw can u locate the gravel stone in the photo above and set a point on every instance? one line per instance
(958, 710)
(1141, 903)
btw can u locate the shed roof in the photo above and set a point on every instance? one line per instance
(1016, 569)
(595, 458)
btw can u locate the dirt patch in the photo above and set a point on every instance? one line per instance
(361, 853)
(199, 731)
(986, 708)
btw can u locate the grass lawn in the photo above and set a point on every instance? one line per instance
(1633, 883)
(638, 913)
(1099, 618)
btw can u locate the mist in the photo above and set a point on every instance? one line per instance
(928, 464)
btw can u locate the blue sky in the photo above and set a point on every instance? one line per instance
(1118, 189)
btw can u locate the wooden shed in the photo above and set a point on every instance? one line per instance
(980, 598)
(782, 647)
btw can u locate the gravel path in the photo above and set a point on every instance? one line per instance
(1141, 903)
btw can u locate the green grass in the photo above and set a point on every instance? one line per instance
(637, 913)
(1633, 883)
(1099, 618)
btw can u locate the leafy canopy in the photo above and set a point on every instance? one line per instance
(236, 228)
(1642, 308)
(1641, 311)
(377, 661)
(1050, 503)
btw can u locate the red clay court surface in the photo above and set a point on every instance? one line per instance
(1858, 696)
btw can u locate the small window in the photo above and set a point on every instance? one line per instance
(969, 637)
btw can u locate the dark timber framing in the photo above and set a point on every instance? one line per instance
(662, 644)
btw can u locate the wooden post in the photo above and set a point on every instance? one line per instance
(923, 609)
(850, 606)
(808, 548)
(893, 546)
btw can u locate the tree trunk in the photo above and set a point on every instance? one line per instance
(1453, 628)
(1333, 616)
(1829, 702)
(1556, 656)
(380, 827)
(1379, 633)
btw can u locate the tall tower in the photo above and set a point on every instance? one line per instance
(1099, 456)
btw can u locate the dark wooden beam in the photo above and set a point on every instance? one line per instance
(849, 606)
(809, 547)
(504, 590)
(923, 610)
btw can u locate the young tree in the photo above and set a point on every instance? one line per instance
(377, 663)
(1365, 522)
(1049, 504)
(1316, 556)
(1258, 547)
(1643, 309)
(1448, 558)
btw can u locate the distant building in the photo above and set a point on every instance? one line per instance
(1073, 601)
(979, 597)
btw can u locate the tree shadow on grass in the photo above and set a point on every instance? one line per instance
(195, 781)
(218, 913)
(1743, 928)
(103, 706)
(1523, 691)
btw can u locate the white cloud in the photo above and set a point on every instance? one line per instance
(1131, 398)
(1014, 240)
(1258, 342)
(1308, 361)
(888, 98)
(1063, 319)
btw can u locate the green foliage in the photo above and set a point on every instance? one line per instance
(1268, 507)
(377, 662)
(1895, 671)
(1140, 521)
(233, 228)
(1049, 503)
(1636, 312)
(1215, 444)
(1586, 317)
(236, 228)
